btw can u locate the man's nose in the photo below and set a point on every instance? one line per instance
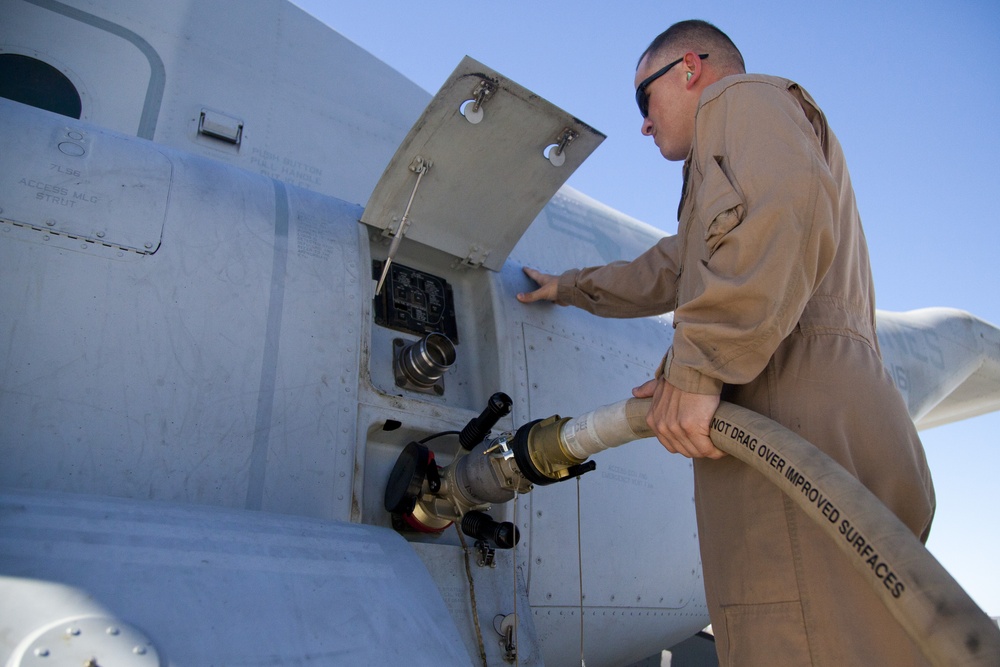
(647, 127)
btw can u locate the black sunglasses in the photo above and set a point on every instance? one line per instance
(641, 98)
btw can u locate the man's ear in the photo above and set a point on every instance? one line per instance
(692, 64)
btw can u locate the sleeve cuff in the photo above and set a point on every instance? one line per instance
(566, 287)
(687, 379)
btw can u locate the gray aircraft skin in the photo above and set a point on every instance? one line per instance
(201, 402)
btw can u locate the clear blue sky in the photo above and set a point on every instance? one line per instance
(910, 88)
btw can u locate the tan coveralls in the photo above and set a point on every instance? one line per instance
(770, 284)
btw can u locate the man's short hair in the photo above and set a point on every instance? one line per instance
(700, 37)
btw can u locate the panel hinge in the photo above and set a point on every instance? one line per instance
(149, 248)
(475, 257)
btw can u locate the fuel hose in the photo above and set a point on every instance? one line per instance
(937, 613)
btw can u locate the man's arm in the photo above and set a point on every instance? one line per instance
(644, 286)
(679, 419)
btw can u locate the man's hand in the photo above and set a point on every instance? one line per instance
(681, 421)
(548, 284)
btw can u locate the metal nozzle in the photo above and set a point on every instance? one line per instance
(423, 363)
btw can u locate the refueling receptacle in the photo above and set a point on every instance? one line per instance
(421, 366)
(428, 498)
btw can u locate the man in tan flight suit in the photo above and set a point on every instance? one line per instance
(771, 289)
